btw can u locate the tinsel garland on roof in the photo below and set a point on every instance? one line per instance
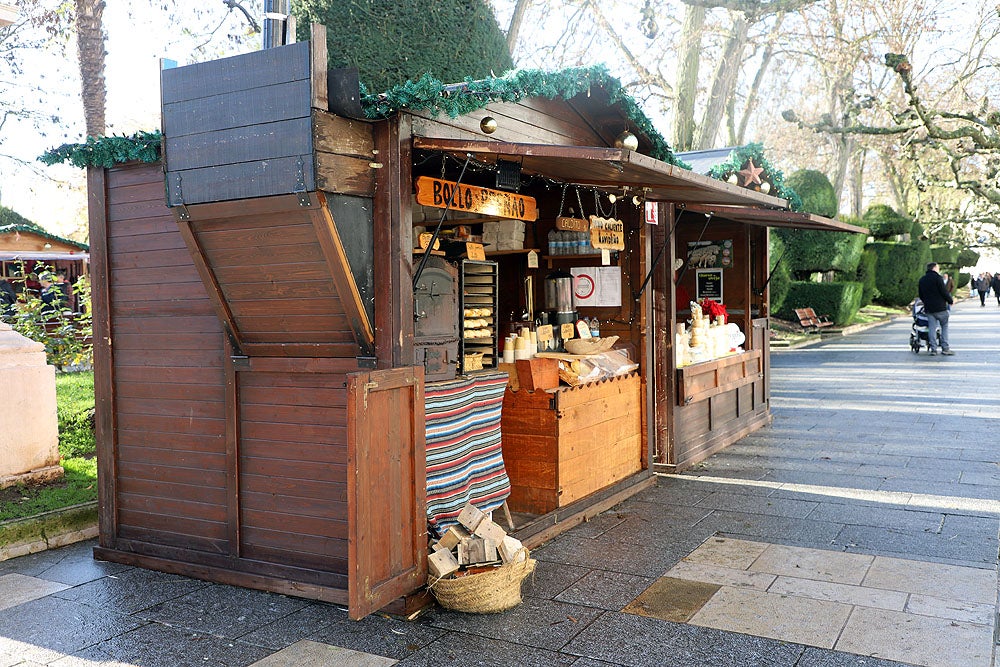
(108, 151)
(430, 94)
(755, 151)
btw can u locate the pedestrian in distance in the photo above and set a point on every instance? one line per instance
(996, 286)
(982, 286)
(936, 300)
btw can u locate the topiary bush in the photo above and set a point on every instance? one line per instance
(810, 251)
(967, 257)
(943, 254)
(838, 301)
(781, 278)
(867, 276)
(816, 191)
(963, 280)
(394, 41)
(899, 268)
(883, 222)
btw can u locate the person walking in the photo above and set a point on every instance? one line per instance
(936, 301)
(982, 286)
(996, 286)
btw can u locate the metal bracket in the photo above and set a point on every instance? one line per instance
(183, 213)
(241, 362)
(367, 362)
(178, 198)
(300, 184)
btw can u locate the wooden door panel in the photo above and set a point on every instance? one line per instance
(386, 487)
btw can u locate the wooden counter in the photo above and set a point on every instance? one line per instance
(709, 378)
(563, 444)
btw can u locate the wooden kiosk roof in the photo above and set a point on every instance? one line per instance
(776, 218)
(607, 167)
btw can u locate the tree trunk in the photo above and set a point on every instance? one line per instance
(723, 83)
(688, 60)
(520, 9)
(738, 137)
(858, 182)
(90, 52)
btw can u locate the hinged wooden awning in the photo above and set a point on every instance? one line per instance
(607, 167)
(774, 218)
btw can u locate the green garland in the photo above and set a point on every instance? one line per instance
(107, 151)
(430, 94)
(755, 151)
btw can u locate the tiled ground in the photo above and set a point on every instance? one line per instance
(877, 460)
(910, 611)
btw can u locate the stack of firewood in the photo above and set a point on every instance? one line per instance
(475, 545)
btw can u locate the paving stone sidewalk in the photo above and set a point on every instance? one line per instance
(875, 495)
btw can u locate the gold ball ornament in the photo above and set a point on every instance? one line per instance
(765, 187)
(733, 179)
(627, 140)
(488, 125)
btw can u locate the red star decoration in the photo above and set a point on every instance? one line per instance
(750, 174)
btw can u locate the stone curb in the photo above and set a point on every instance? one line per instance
(20, 537)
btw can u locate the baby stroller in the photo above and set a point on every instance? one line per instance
(918, 332)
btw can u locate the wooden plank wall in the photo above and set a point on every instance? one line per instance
(239, 127)
(293, 462)
(168, 383)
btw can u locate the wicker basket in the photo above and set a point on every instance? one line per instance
(486, 592)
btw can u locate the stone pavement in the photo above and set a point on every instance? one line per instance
(864, 522)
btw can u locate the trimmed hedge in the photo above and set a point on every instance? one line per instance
(867, 276)
(816, 191)
(838, 301)
(943, 254)
(883, 222)
(781, 278)
(899, 268)
(391, 42)
(810, 251)
(967, 257)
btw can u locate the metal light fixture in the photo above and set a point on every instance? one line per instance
(627, 140)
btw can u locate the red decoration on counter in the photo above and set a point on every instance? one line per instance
(713, 309)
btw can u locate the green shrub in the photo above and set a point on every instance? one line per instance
(883, 222)
(916, 230)
(899, 268)
(391, 42)
(810, 251)
(816, 191)
(780, 276)
(967, 257)
(67, 335)
(838, 301)
(867, 276)
(943, 254)
(963, 280)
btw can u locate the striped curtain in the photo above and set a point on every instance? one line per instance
(464, 457)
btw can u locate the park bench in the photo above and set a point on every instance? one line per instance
(809, 320)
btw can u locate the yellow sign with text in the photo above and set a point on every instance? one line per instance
(495, 203)
(607, 234)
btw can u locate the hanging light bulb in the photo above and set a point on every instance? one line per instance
(627, 140)
(612, 198)
(636, 200)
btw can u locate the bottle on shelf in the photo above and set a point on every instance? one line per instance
(553, 242)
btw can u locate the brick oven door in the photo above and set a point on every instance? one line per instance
(386, 487)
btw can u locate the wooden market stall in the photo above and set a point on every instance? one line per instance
(25, 248)
(288, 388)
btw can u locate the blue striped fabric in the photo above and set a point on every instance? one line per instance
(464, 454)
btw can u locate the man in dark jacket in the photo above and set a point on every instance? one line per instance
(936, 300)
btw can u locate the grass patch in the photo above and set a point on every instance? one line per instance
(75, 407)
(77, 449)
